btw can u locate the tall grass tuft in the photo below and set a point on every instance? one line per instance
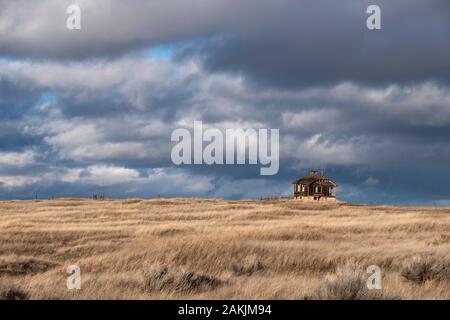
(346, 284)
(248, 267)
(161, 278)
(421, 269)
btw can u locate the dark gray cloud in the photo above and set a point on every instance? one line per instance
(320, 42)
(109, 27)
(287, 43)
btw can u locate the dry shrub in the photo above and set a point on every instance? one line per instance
(346, 284)
(421, 269)
(12, 293)
(24, 266)
(248, 267)
(160, 278)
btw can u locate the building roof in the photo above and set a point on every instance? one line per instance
(313, 178)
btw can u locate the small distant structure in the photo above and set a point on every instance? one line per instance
(100, 197)
(315, 187)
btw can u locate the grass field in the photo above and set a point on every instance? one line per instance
(217, 249)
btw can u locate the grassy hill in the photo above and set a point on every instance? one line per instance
(217, 249)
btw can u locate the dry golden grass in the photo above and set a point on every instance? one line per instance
(217, 249)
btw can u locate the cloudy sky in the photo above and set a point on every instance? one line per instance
(92, 110)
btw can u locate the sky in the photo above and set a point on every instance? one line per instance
(92, 110)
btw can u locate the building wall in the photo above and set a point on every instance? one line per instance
(312, 191)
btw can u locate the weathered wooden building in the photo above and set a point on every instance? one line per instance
(315, 187)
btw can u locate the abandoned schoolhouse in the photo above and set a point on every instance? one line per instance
(315, 187)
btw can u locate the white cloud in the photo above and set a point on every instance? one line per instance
(320, 150)
(101, 175)
(174, 181)
(19, 181)
(311, 120)
(159, 180)
(134, 79)
(94, 140)
(177, 180)
(17, 159)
